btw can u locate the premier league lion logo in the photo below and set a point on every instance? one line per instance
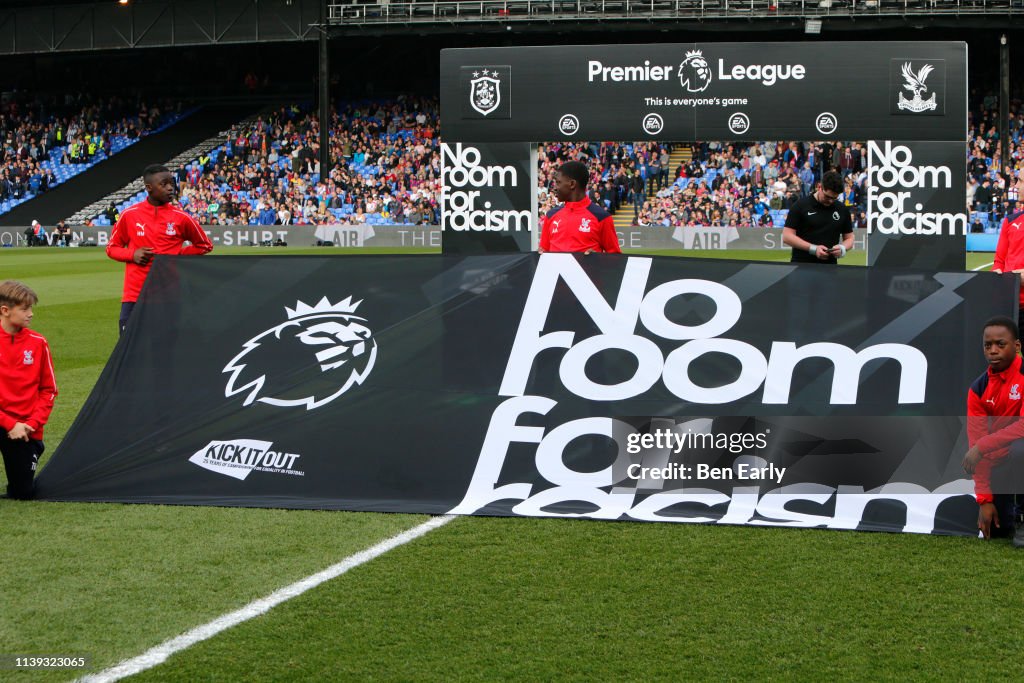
(312, 358)
(694, 72)
(485, 91)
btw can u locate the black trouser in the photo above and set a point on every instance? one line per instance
(1007, 484)
(126, 311)
(20, 460)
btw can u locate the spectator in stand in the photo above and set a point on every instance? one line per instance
(48, 130)
(401, 169)
(983, 196)
(806, 179)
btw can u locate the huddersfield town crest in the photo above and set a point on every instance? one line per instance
(485, 91)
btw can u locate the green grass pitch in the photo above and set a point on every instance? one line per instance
(479, 599)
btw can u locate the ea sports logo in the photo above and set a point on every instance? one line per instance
(826, 123)
(568, 124)
(653, 124)
(312, 358)
(739, 123)
(694, 72)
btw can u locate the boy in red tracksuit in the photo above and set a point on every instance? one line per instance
(578, 225)
(1009, 256)
(27, 388)
(993, 425)
(153, 226)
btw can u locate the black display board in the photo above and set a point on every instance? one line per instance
(706, 91)
(894, 95)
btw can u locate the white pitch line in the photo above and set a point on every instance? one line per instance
(161, 652)
(982, 267)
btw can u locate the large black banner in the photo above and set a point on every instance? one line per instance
(706, 91)
(642, 388)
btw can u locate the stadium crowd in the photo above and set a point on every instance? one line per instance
(728, 184)
(991, 192)
(42, 134)
(387, 169)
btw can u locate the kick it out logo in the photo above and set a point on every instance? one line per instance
(898, 190)
(240, 457)
(466, 183)
(312, 358)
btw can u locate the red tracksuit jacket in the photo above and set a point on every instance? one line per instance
(1010, 248)
(27, 383)
(993, 421)
(164, 228)
(578, 226)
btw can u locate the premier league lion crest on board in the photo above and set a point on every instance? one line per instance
(488, 91)
(695, 72)
(317, 354)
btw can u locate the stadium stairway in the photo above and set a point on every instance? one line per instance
(680, 155)
(623, 218)
(129, 194)
(109, 176)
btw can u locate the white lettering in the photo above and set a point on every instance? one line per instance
(618, 326)
(892, 166)
(768, 74)
(619, 74)
(460, 168)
